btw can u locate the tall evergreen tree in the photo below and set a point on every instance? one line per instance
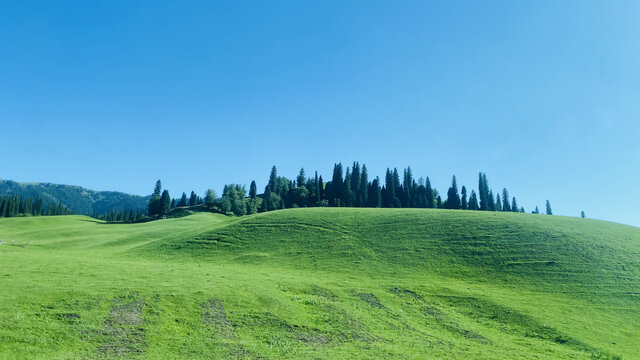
(193, 199)
(363, 197)
(429, 193)
(355, 184)
(514, 205)
(464, 202)
(498, 203)
(453, 198)
(396, 189)
(347, 193)
(492, 202)
(505, 200)
(155, 207)
(273, 180)
(301, 179)
(473, 201)
(253, 190)
(375, 193)
(183, 200)
(549, 212)
(165, 203)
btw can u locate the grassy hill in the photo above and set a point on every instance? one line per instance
(321, 284)
(76, 198)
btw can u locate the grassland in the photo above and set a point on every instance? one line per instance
(321, 284)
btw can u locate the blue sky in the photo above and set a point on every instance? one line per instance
(543, 96)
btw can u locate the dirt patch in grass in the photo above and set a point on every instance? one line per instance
(322, 292)
(123, 332)
(370, 299)
(304, 334)
(215, 317)
(406, 294)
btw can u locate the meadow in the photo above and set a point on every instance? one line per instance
(321, 283)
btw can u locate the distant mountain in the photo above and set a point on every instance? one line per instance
(79, 199)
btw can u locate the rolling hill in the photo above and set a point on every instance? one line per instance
(76, 198)
(321, 283)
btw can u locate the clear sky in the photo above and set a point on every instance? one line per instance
(543, 96)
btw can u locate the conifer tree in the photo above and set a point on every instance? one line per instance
(505, 200)
(429, 193)
(453, 198)
(183, 200)
(464, 203)
(498, 203)
(514, 205)
(355, 184)
(363, 198)
(165, 203)
(375, 193)
(193, 199)
(155, 207)
(301, 179)
(492, 202)
(549, 212)
(253, 190)
(473, 201)
(396, 189)
(582, 214)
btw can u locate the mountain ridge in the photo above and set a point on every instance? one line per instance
(77, 198)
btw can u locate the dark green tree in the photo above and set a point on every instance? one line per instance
(464, 202)
(253, 190)
(165, 203)
(505, 200)
(453, 198)
(183, 200)
(549, 212)
(193, 199)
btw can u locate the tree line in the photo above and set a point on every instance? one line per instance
(15, 205)
(348, 187)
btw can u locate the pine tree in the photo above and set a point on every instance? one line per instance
(165, 203)
(491, 201)
(498, 203)
(273, 180)
(355, 184)
(253, 190)
(483, 192)
(473, 201)
(438, 202)
(375, 193)
(453, 198)
(388, 194)
(582, 214)
(364, 187)
(514, 205)
(183, 200)
(396, 189)
(155, 207)
(193, 199)
(301, 179)
(549, 212)
(505, 200)
(429, 193)
(464, 203)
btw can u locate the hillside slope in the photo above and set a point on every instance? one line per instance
(76, 198)
(321, 283)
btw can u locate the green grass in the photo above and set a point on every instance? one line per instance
(321, 284)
